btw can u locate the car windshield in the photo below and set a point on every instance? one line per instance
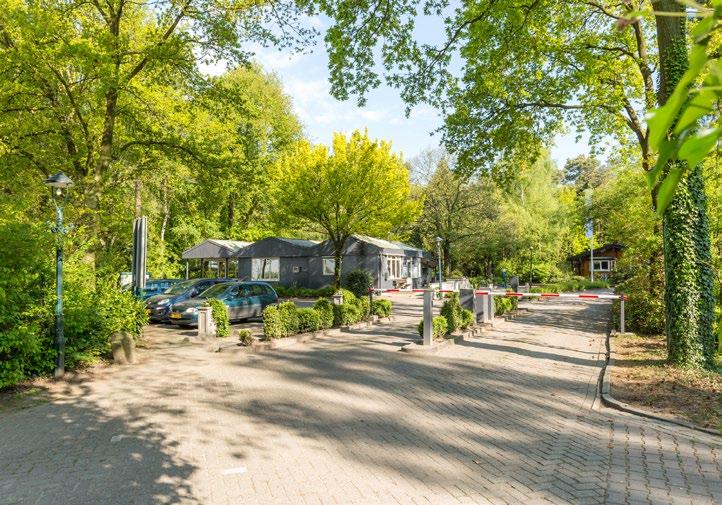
(179, 288)
(215, 291)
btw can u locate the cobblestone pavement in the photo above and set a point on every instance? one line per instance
(508, 418)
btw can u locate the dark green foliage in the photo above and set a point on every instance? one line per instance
(309, 320)
(273, 325)
(289, 316)
(382, 307)
(364, 307)
(324, 307)
(220, 317)
(296, 292)
(245, 337)
(467, 319)
(643, 311)
(573, 284)
(451, 310)
(358, 282)
(439, 325)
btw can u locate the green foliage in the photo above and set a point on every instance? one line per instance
(297, 292)
(467, 319)
(358, 282)
(245, 337)
(309, 320)
(324, 307)
(439, 327)
(220, 317)
(451, 310)
(573, 284)
(381, 307)
(346, 314)
(348, 296)
(289, 316)
(362, 187)
(364, 307)
(504, 304)
(273, 323)
(643, 311)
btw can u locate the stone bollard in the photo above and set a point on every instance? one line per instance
(206, 325)
(129, 347)
(116, 345)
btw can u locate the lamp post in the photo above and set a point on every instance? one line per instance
(59, 185)
(439, 240)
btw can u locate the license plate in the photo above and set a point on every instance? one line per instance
(175, 315)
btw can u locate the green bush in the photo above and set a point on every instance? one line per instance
(439, 327)
(348, 296)
(504, 304)
(364, 307)
(245, 337)
(289, 317)
(358, 282)
(308, 320)
(346, 314)
(296, 292)
(273, 325)
(381, 307)
(451, 310)
(324, 307)
(467, 319)
(220, 317)
(643, 311)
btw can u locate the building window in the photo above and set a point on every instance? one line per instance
(266, 269)
(329, 265)
(393, 267)
(602, 266)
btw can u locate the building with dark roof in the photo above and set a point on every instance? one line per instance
(605, 261)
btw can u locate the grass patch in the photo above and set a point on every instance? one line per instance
(642, 376)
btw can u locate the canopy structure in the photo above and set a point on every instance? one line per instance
(214, 251)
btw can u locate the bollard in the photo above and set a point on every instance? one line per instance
(490, 308)
(116, 345)
(466, 298)
(479, 312)
(129, 348)
(428, 317)
(205, 322)
(621, 315)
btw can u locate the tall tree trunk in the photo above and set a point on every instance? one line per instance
(688, 296)
(338, 249)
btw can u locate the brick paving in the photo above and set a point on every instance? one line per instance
(508, 418)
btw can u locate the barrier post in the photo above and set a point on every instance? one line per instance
(490, 308)
(621, 314)
(479, 312)
(428, 317)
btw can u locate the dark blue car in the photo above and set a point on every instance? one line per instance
(158, 306)
(242, 300)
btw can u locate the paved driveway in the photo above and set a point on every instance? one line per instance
(507, 418)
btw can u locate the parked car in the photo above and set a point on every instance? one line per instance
(158, 306)
(242, 300)
(157, 286)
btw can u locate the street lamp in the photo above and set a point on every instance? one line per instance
(59, 185)
(439, 240)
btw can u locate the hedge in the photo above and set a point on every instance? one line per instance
(358, 282)
(439, 327)
(381, 307)
(451, 310)
(296, 292)
(220, 317)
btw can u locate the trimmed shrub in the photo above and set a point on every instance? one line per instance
(504, 304)
(364, 307)
(245, 337)
(273, 325)
(348, 296)
(467, 319)
(381, 307)
(308, 320)
(220, 317)
(643, 311)
(358, 282)
(439, 327)
(295, 291)
(346, 314)
(451, 310)
(289, 317)
(324, 307)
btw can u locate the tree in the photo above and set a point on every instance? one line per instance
(583, 172)
(361, 187)
(530, 67)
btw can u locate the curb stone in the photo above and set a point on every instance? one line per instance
(609, 401)
(422, 350)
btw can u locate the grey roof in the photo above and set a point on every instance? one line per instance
(214, 248)
(379, 242)
(277, 247)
